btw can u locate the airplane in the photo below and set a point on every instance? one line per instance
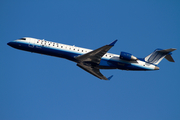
(94, 60)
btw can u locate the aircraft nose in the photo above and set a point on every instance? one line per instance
(156, 68)
(9, 43)
(12, 44)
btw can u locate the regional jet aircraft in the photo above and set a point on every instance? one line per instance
(94, 60)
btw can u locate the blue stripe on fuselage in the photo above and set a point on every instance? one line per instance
(119, 64)
(46, 50)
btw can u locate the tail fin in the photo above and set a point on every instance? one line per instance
(158, 55)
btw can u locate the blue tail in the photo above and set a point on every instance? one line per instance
(158, 55)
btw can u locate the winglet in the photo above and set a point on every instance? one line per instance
(112, 44)
(110, 77)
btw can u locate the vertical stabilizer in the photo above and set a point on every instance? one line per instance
(158, 55)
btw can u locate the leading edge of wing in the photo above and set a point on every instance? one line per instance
(94, 71)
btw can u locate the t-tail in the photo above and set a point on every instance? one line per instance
(156, 57)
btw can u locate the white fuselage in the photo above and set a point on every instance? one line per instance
(108, 61)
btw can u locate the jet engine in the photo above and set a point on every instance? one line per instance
(127, 56)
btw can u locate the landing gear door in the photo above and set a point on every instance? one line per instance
(31, 43)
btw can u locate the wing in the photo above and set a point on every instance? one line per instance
(94, 58)
(93, 71)
(95, 55)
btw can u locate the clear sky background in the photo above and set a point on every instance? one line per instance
(40, 87)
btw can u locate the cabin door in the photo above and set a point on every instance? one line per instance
(31, 43)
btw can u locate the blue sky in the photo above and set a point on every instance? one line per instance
(34, 86)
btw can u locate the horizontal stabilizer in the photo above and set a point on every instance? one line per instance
(167, 50)
(169, 58)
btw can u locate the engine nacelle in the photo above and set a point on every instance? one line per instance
(127, 56)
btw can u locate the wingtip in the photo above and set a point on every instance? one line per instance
(110, 77)
(112, 44)
(174, 49)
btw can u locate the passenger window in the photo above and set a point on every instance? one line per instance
(22, 39)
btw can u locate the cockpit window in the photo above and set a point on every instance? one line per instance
(22, 39)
